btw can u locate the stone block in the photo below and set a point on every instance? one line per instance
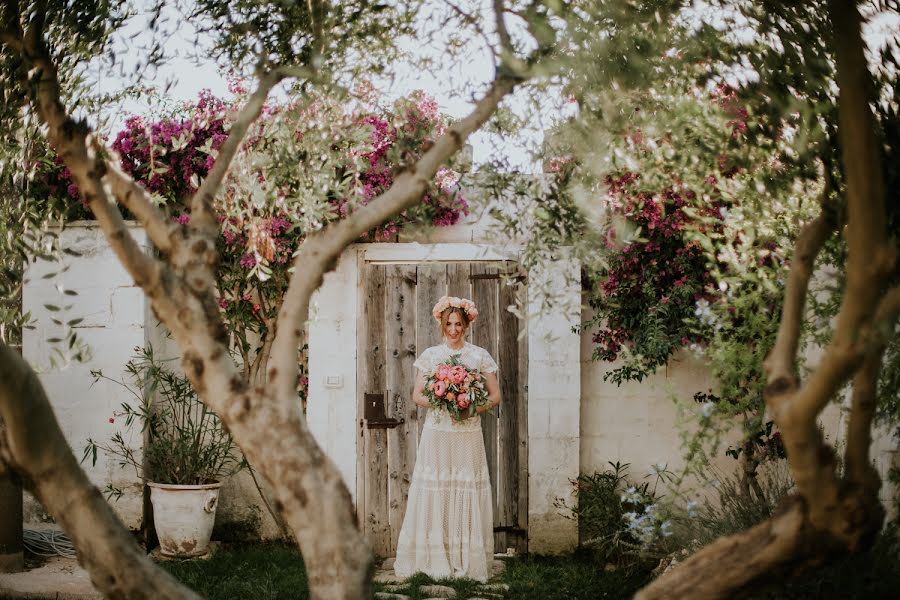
(438, 591)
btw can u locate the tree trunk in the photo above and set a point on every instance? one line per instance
(831, 515)
(33, 446)
(338, 558)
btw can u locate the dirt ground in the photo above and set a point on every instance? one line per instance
(53, 578)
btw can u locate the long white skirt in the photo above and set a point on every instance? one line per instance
(448, 529)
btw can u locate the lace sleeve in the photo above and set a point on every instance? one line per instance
(423, 363)
(488, 365)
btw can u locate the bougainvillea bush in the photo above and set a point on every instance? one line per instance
(307, 161)
(649, 289)
(693, 249)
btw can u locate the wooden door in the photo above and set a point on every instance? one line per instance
(395, 326)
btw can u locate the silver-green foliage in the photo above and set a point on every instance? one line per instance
(185, 442)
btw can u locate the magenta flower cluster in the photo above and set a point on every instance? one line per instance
(166, 155)
(419, 123)
(650, 286)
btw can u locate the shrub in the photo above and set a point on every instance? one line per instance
(614, 515)
(185, 442)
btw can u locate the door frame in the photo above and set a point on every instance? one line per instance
(553, 364)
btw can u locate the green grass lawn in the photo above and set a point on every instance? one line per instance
(271, 571)
(275, 571)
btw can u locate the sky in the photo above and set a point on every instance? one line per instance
(453, 86)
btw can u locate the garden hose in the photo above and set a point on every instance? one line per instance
(48, 542)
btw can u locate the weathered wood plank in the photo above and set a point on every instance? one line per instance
(509, 435)
(361, 339)
(458, 283)
(400, 346)
(521, 543)
(373, 381)
(484, 334)
(431, 284)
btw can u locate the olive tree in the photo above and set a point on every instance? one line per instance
(313, 44)
(824, 119)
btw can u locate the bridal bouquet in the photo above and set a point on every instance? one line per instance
(454, 388)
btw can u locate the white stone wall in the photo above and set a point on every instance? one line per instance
(639, 422)
(554, 396)
(332, 407)
(576, 421)
(113, 312)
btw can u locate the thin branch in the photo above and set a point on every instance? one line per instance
(320, 251)
(72, 141)
(297, 71)
(864, 399)
(780, 362)
(279, 520)
(136, 199)
(317, 16)
(862, 412)
(474, 22)
(887, 312)
(505, 41)
(202, 215)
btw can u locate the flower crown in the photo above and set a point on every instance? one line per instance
(446, 302)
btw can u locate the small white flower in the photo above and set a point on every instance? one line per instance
(666, 528)
(708, 408)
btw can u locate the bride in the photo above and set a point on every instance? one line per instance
(448, 530)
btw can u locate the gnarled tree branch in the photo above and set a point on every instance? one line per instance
(203, 218)
(859, 429)
(73, 142)
(135, 198)
(319, 252)
(780, 364)
(33, 445)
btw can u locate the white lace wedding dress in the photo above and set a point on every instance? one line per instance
(448, 530)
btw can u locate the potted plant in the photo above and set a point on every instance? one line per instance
(185, 456)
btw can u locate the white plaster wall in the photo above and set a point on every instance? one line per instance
(635, 423)
(554, 397)
(113, 309)
(639, 422)
(332, 407)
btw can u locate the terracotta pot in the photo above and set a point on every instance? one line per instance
(183, 516)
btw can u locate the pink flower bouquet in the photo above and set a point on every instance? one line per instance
(454, 388)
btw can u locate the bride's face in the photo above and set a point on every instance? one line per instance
(454, 329)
